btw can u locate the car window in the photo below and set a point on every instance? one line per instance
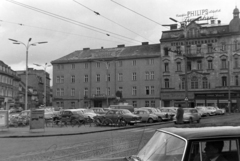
(193, 111)
(202, 150)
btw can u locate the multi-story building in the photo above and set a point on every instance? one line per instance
(9, 83)
(36, 79)
(206, 57)
(87, 77)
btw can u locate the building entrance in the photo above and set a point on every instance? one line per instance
(97, 103)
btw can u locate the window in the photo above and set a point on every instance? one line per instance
(166, 67)
(146, 103)
(223, 46)
(72, 66)
(194, 83)
(166, 82)
(151, 61)
(199, 65)
(235, 45)
(224, 81)
(62, 79)
(120, 77)
(73, 92)
(134, 104)
(152, 75)
(134, 90)
(86, 78)
(166, 52)
(85, 65)
(62, 104)
(120, 63)
(58, 79)
(98, 77)
(108, 78)
(98, 91)
(58, 67)
(178, 50)
(72, 105)
(183, 83)
(189, 66)
(98, 64)
(108, 91)
(152, 103)
(134, 76)
(134, 62)
(188, 51)
(224, 64)
(210, 64)
(179, 66)
(146, 75)
(236, 80)
(235, 62)
(58, 92)
(205, 83)
(85, 92)
(152, 90)
(73, 78)
(147, 90)
(198, 49)
(209, 48)
(62, 92)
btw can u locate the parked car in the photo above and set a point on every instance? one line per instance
(70, 114)
(169, 111)
(145, 115)
(128, 107)
(211, 110)
(223, 111)
(161, 116)
(99, 110)
(202, 110)
(123, 114)
(190, 115)
(188, 144)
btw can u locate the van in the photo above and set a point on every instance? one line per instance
(128, 107)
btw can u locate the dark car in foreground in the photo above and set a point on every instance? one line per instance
(189, 144)
(121, 114)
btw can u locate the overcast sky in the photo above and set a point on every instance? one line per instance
(64, 37)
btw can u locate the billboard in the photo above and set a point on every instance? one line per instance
(37, 119)
(3, 119)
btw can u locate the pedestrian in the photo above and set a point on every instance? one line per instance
(179, 115)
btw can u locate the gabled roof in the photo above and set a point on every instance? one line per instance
(108, 53)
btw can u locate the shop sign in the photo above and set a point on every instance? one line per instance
(37, 119)
(205, 14)
(176, 96)
(3, 119)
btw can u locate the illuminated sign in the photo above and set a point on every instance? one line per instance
(204, 13)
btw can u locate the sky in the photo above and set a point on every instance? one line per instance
(118, 18)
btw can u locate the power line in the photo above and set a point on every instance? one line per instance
(138, 13)
(21, 24)
(70, 20)
(98, 14)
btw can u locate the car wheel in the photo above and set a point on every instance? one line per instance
(175, 122)
(159, 119)
(150, 120)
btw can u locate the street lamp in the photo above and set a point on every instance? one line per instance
(27, 47)
(45, 80)
(184, 24)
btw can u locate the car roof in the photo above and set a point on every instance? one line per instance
(204, 132)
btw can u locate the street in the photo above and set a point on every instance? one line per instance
(78, 147)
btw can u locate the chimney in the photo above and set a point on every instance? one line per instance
(219, 21)
(212, 21)
(144, 43)
(86, 48)
(121, 46)
(173, 26)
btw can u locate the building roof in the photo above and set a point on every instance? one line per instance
(108, 53)
(205, 132)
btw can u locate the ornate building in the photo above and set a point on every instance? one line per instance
(206, 57)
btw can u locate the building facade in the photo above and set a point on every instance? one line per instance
(91, 78)
(200, 63)
(36, 79)
(9, 86)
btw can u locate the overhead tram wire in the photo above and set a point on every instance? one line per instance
(98, 14)
(22, 25)
(71, 21)
(138, 14)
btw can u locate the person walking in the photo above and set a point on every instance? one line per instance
(179, 115)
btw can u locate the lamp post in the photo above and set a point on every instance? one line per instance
(45, 80)
(27, 47)
(185, 31)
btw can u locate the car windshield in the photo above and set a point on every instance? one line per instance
(211, 108)
(126, 111)
(162, 147)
